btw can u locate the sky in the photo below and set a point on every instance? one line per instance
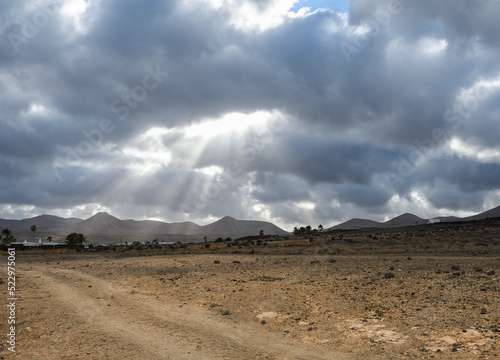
(294, 112)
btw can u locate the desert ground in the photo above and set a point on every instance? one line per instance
(430, 294)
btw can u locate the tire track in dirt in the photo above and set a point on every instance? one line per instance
(161, 328)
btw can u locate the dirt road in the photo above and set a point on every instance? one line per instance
(151, 328)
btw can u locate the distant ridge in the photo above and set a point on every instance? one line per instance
(495, 212)
(230, 226)
(356, 224)
(399, 221)
(44, 223)
(101, 223)
(409, 220)
(405, 220)
(105, 227)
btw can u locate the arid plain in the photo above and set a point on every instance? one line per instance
(426, 292)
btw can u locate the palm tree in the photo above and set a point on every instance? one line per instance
(33, 229)
(49, 239)
(320, 228)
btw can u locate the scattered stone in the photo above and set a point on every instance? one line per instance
(236, 262)
(268, 315)
(216, 262)
(225, 312)
(391, 268)
(331, 261)
(491, 272)
(389, 275)
(263, 322)
(455, 267)
(484, 311)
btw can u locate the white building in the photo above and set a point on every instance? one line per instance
(29, 243)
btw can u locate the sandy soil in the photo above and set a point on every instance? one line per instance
(256, 306)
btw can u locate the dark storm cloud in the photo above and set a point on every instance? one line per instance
(274, 188)
(450, 197)
(81, 187)
(467, 175)
(363, 196)
(323, 161)
(352, 118)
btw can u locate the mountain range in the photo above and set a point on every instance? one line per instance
(103, 227)
(410, 219)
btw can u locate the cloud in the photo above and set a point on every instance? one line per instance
(257, 109)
